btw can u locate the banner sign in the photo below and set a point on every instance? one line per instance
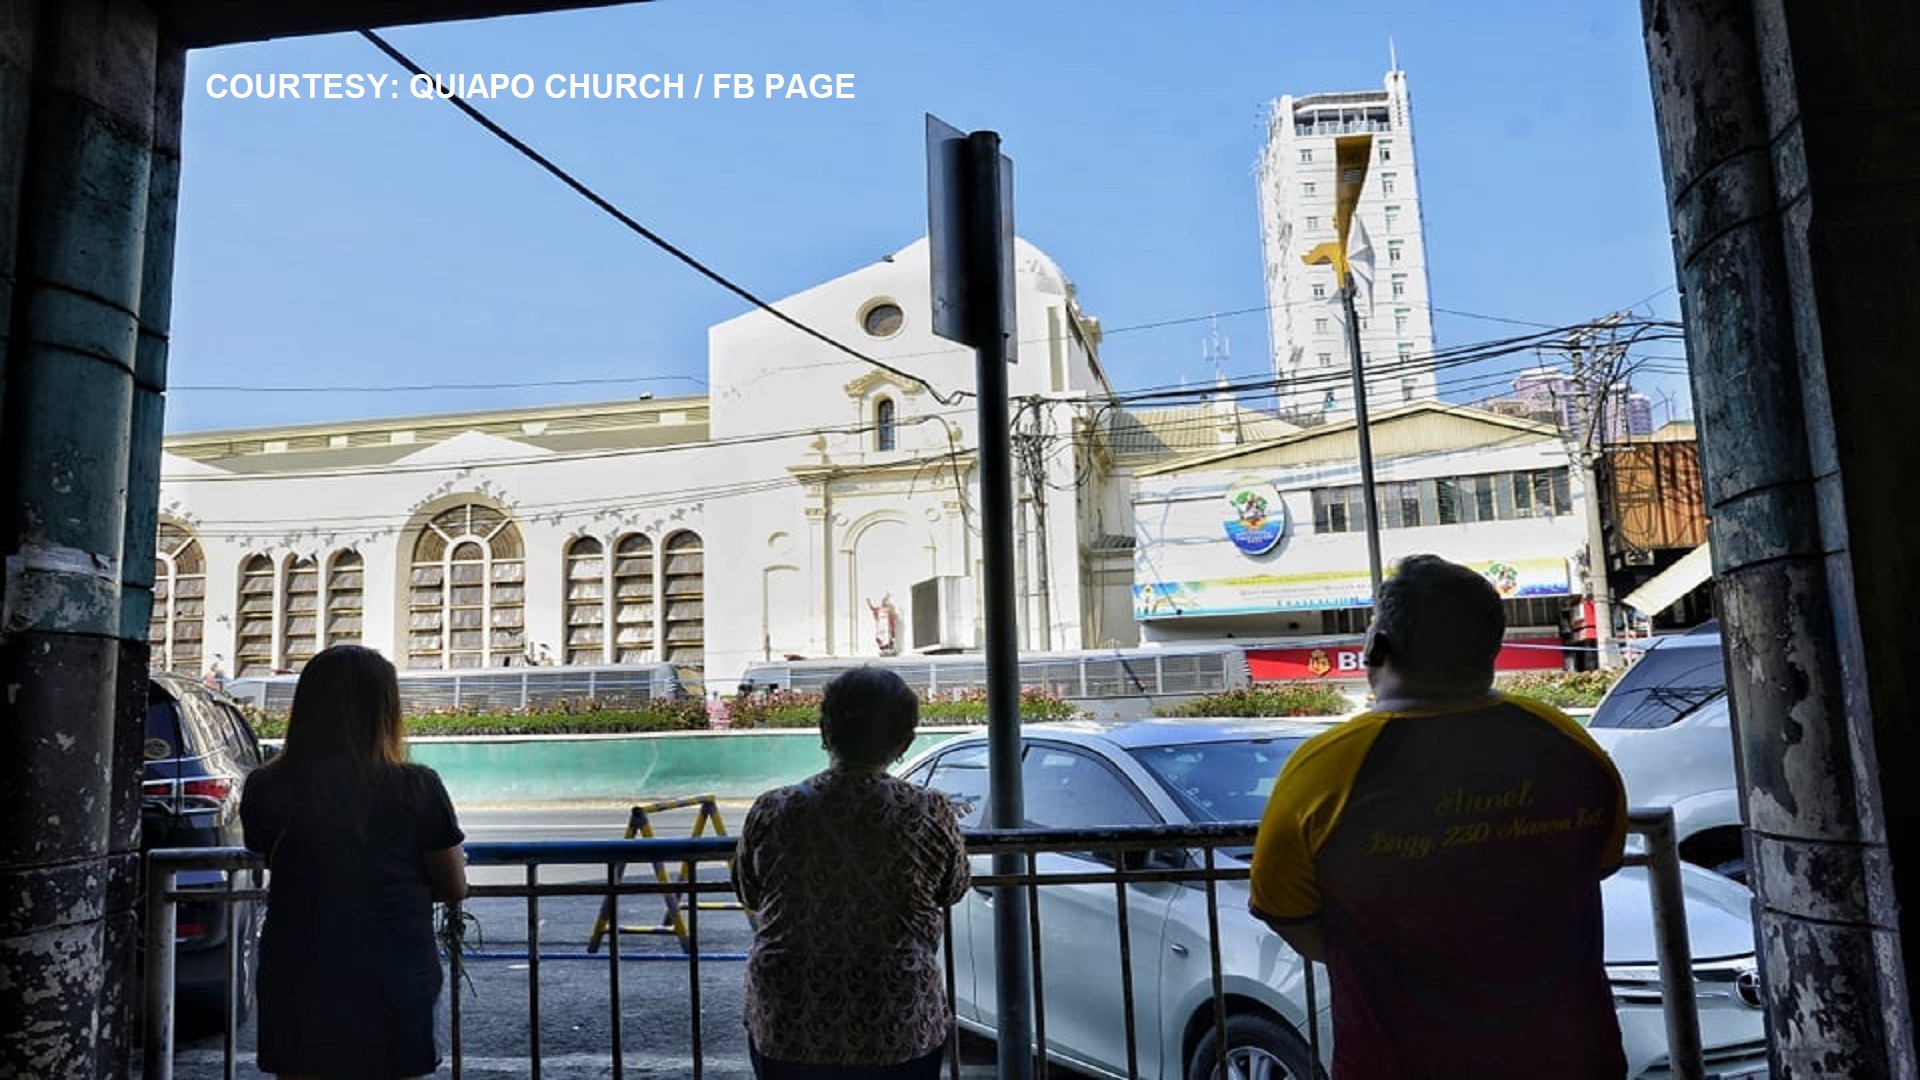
(1343, 661)
(1254, 594)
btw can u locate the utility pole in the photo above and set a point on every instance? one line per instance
(970, 234)
(1031, 449)
(1595, 363)
(1351, 155)
(1363, 432)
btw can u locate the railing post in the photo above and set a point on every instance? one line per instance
(455, 941)
(1674, 951)
(156, 1061)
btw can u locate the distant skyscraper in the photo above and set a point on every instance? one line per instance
(1306, 322)
(1545, 393)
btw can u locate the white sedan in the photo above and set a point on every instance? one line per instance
(1173, 772)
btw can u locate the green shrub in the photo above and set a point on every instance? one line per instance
(570, 718)
(776, 708)
(1562, 689)
(801, 709)
(1267, 699)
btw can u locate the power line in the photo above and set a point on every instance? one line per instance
(436, 387)
(649, 235)
(1105, 331)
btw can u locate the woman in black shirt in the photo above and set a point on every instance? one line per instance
(360, 844)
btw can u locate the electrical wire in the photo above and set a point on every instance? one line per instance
(649, 235)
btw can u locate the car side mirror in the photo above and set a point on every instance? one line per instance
(269, 749)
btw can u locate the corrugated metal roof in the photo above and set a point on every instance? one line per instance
(1188, 429)
(1424, 427)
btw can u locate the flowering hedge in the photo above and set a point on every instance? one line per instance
(801, 709)
(585, 717)
(1563, 689)
(1266, 699)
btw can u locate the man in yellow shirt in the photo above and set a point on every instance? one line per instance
(1442, 854)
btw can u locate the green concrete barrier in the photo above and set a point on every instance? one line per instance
(512, 770)
(520, 769)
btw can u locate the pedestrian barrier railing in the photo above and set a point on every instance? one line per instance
(1208, 867)
(672, 921)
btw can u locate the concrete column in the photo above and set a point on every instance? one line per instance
(1786, 128)
(125, 881)
(76, 241)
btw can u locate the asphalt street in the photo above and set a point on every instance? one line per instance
(656, 1025)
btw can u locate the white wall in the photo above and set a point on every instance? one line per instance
(804, 520)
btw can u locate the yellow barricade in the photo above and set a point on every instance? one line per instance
(640, 825)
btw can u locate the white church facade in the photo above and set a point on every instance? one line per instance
(789, 511)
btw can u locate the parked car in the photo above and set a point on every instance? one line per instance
(1189, 771)
(1666, 724)
(199, 750)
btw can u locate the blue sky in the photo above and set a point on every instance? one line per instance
(344, 243)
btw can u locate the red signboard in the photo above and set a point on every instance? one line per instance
(1343, 661)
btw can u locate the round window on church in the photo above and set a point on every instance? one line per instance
(882, 318)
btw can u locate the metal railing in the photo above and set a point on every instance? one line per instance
(1122, 858)
(503, 688)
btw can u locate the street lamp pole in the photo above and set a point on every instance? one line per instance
(1362, 434)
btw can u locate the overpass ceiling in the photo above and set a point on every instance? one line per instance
(195, 23)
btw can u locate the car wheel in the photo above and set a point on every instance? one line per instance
(1258, 1048)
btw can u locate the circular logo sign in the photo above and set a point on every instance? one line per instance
(1259, 517)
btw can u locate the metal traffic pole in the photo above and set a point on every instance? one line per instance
(970, 233)
(1361, 431)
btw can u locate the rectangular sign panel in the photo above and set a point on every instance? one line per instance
(951, 203)
(1343, 661)
(947, 229)
(1258, 593)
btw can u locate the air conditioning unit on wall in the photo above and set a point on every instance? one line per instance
(943, 614)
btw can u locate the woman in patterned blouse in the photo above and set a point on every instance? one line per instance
(851, 872)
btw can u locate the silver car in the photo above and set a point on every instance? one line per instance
(1084, 775)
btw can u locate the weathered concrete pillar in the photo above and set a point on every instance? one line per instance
(137, 565)
(78, 247)
(16, 105)
(1790, 131)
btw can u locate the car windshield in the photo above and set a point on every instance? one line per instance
(1662, 686)
(1219, 781)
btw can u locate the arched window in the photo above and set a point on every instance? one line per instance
(179, 601)
(300, 615)
(466, 603)
(683, 583)
(254, 618)
(634, 610)
(885, 437)
(586, 602)
(346, 589)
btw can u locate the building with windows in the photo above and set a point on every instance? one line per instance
(1306, 323)
(1552, 394)
(814, 504)
(800, 507)
(1267, 540)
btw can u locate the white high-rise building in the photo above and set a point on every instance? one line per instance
(1306, 319)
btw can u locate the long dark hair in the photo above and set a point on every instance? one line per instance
(346, 712)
